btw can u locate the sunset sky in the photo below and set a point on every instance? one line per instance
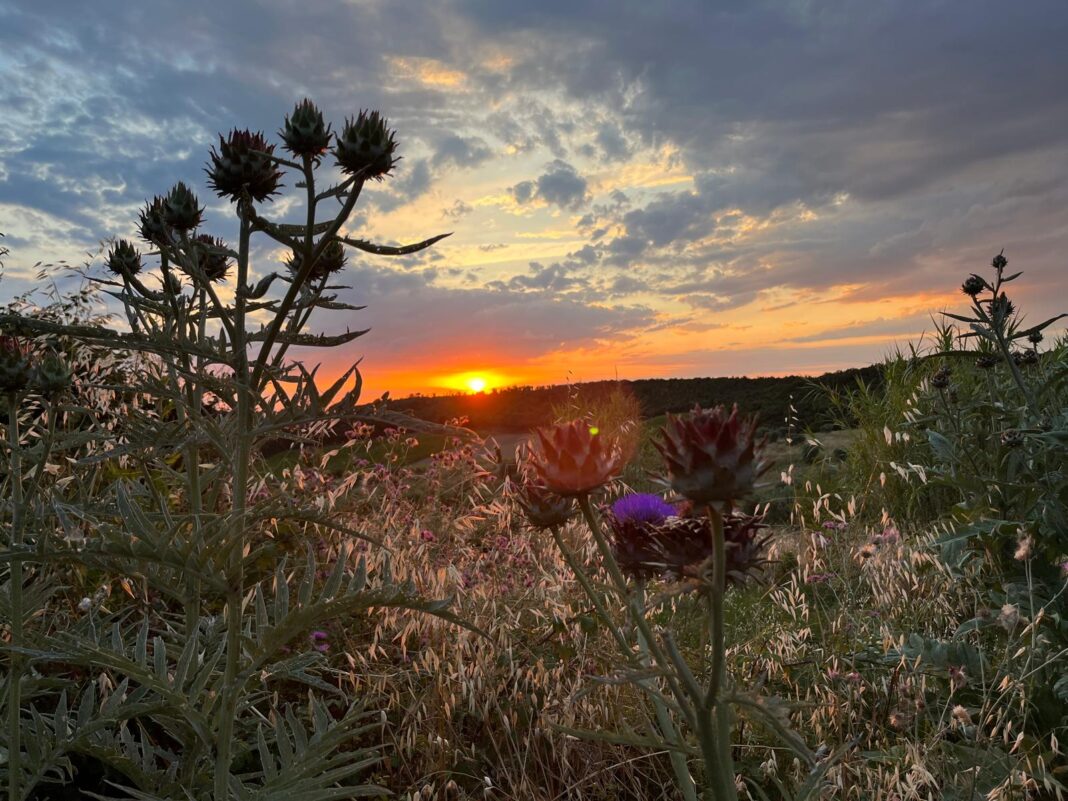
(635, 189)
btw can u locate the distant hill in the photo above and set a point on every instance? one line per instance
(523, 408)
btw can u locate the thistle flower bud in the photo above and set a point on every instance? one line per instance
(330, 261)
(153, 226)
(940, 379)
(305, 133)
(987, 361)
(212, 257)
(710, 455)
(1012, 438)
(123, 259)
(1025, 358)
(1001, 308)
(1035, 337)
(14, 365)
(366, 146)
(973, 285)
(999, 262)
(647, 542)
(542, 507)
(172, 284)
(51, 374)
(181, 209)
(574, 459)
(243, 163)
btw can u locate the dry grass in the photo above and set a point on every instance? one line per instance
(838, 634)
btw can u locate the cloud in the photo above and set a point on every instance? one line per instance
(461, 152)
(560, 185)
(698, 155)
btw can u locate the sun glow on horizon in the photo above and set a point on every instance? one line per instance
(476, 384)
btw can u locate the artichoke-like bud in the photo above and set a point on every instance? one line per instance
(940, 379)
(15, 369)
(973, 285)
(542, 507)
(1001, 308)
(683, 547)
(123, 259)
(51, 374)
(181, 209)
(305, 133)
(331, 260)
(711, 455)
(999, 262)
(574, 459)
(1035, 337)
(212, 256)
(153, 226)
(1025, 358)
(1012, 438)
(243, 163)
(366, 145)
(987, 361)
(631, 519)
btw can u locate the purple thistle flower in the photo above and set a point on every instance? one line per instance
(642, 507)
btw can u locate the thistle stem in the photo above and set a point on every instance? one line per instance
(235, 569)
(14, 680)
(650, 650)
(715, 730)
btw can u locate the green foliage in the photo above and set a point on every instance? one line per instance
(148, 473)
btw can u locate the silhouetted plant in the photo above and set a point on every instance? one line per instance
(189, 694)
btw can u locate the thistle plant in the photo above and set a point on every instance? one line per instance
(711, 461)
(189, 693)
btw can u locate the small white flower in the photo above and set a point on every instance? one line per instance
(85, 604)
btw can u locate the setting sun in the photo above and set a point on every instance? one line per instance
(476, 384)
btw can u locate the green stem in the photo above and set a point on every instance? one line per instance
(235, 569)
(715, 731)
(650, 650)
(14, 681)
(192, 458)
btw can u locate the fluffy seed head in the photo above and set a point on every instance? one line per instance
(243, 163)
(710, 455)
